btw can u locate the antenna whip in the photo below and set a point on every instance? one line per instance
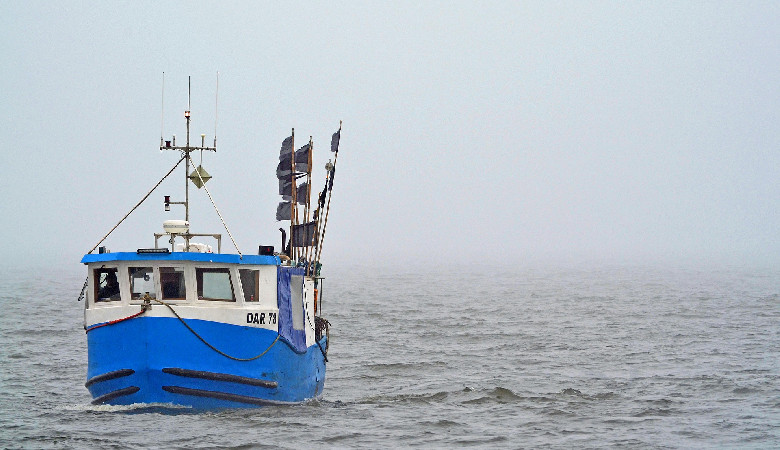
(162, 110)
(216, 111)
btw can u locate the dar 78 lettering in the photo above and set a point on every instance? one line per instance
(260, 318)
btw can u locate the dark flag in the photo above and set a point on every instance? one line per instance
(304, 235)
(302, 193)
(283, 172)
(285, 188)
(286, 146)
(321, 201)
(302, 159)
(330, 180)
(284, 211)
(334, 142)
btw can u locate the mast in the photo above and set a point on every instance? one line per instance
(186, 151)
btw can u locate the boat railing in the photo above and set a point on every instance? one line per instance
(187, 237)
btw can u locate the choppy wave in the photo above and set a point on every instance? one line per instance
(135, 408)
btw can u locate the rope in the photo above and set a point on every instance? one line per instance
(146, 306)
(203, 183)
(143, 310)
(137, 205)
(211, 346)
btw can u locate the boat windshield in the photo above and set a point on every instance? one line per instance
(214, 284)
(141, 282)
(106, 285)
(172, 283)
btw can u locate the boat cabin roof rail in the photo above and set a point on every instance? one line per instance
(187, 238)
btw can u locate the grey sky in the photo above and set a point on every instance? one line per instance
(473, 131)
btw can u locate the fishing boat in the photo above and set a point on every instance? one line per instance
(183, 323)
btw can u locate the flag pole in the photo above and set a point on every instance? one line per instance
(293, 208)
(308, 200)
(319, 213)
(330, 195)
(308, 181)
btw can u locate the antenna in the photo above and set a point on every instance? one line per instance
(187, 151)
(162, 110)
(216, 111)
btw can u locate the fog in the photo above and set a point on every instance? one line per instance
(473, 132)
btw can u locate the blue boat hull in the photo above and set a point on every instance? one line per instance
(158, 360)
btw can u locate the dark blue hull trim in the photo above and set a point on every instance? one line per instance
(220, 377)
(107, 398)
(240, 400)
(109, 376)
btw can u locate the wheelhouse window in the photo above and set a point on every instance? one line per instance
(214, 284)
(172, 283)
(141, 282)
(250, 280)
(106, 285)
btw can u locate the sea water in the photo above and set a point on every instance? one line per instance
(555, 356)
